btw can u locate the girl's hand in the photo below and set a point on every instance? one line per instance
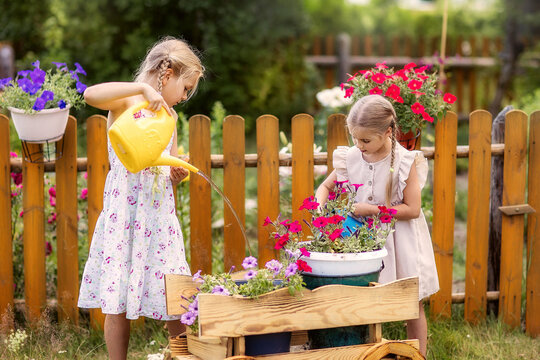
(364, 209)
(155, 100)
(178, 174)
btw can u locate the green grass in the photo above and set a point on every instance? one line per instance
(448, 339)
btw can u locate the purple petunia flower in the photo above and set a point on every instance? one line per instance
(74, 75)
(291, 270)
(62, 104)
(220, 290)
(39, 104)
(23, 73)
(80, 87)
(38, 76)
(250, 274)
(188, 318)
(47, 95)
(249, 262)
(59, 65)
(28, 86)
(36, 64)
(5, 82)
(194, 306)
(197, 275)
(274, 265)
(79, 69)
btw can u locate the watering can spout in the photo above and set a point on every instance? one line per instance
(139, 144)
(168, 160)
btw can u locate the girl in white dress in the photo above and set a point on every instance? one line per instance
(393, 177)
(137, 238)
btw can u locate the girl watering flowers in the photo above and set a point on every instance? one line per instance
(137, 238)
(391, 177)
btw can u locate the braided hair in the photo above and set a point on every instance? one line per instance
(169, 53)
(376, 113)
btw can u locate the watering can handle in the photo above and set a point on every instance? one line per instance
(142, 105)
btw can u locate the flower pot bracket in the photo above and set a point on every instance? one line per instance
(42, 152)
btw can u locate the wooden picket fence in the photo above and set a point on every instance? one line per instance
(518, 157)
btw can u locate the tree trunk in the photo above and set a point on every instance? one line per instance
(495, 217)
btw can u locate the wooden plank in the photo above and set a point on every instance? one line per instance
(215, 349)
(368, 45)
(472, 77)
(325, 307)
(337, 136)
(478, 216)
(6, 244)
(66, 226)
(234, 187)
(98, 167)
(267, 182)
(517, 209)
(200, 211)
(444, 190)
(178, 287)
(34, 236)
(514, 178)
(302, 166)
(532, 313)
(343, 352)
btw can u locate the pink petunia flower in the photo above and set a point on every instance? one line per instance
(84, 194)
(417, 108)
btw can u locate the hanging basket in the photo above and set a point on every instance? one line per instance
(409, 140)
(41, 127)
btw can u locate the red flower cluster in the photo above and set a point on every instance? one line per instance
(412, 91)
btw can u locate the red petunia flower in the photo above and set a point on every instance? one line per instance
(267, 221)
(295, 227)
(386, 219)
(393, 91)
(304, 252)
(335, 234)
(426, 117)
(375, 91)
(417, 108)
(414, 84)
(381, 65)
(379, 78)
(449, 98)
(303, 266)
(409, 66)
(348, 92)
(319, 222)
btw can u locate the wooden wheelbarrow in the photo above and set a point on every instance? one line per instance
(224, 321)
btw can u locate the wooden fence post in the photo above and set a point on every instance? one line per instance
(97, 169)
(337, 136)
(515, 170)
(478, 215)
(66, 226)
(34, 236)
(532, 314)
(444, 194)
(234, 187)
(267, 181)
(302, 166)
(200, 210)
(344, 57)
(6, 245)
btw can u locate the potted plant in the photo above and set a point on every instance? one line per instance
(39, 100)
(252, 283)
(412, 91)
(341, 250)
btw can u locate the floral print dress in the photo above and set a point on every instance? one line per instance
(137, 240)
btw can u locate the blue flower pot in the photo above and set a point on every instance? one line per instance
(268, 343)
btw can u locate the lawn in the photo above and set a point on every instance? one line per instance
(449, 339)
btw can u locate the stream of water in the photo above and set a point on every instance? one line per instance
(228, 202)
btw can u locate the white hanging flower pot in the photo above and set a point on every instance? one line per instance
(43, 126)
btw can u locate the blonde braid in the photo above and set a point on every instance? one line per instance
(390, 184)
(165, 64)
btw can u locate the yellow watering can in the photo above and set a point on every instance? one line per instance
(139, 144)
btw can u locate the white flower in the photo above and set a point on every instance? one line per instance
(333, 98)
(155, 357)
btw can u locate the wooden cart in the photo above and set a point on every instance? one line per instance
(224, 321)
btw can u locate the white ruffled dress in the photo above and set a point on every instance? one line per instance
(136, 241)
(410, 251)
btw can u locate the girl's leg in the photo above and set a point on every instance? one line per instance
(117, 335)
(417, 329)
(175, 327)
